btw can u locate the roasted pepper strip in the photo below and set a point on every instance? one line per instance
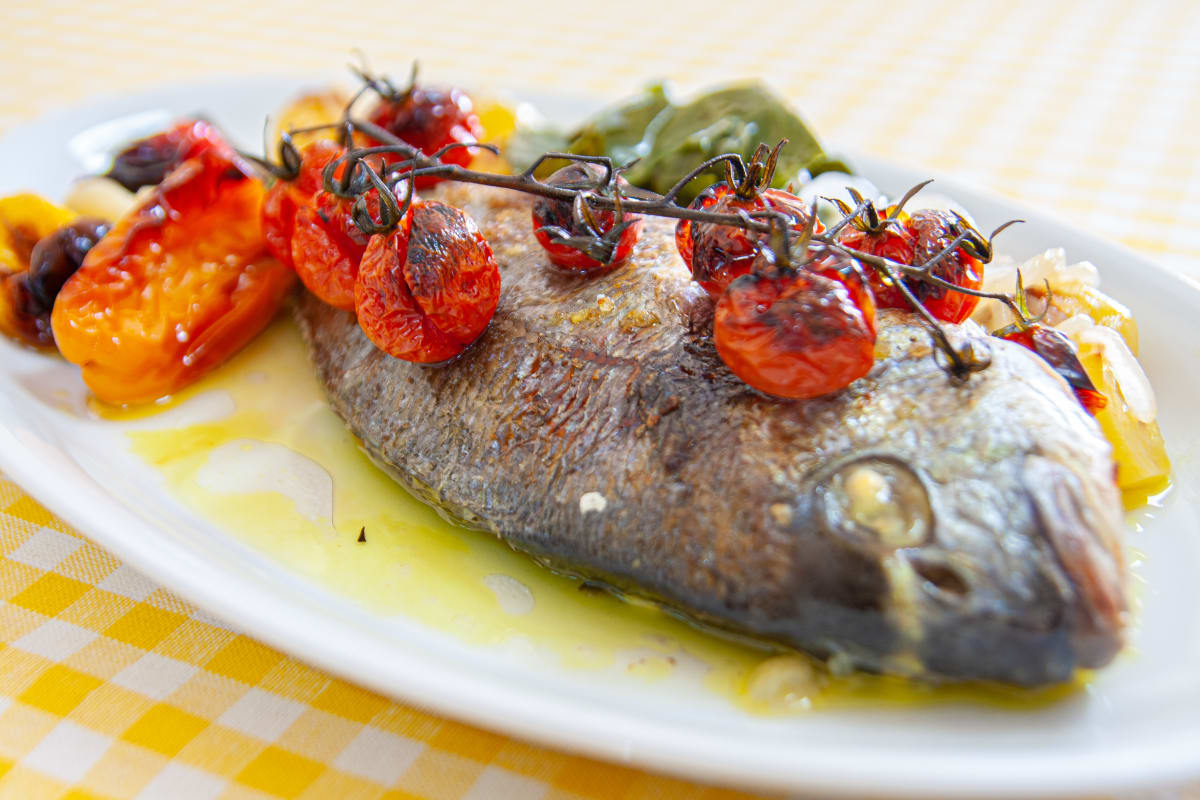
(175, 289)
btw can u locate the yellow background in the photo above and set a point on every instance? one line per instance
(110, 686)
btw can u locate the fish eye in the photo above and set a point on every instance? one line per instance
(876, 501)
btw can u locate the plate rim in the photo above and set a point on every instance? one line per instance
(474, 699)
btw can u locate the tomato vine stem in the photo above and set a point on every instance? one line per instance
(605, 194)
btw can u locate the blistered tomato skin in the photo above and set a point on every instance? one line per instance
(558, 214)
(933, 230)
(286, 198)
(147, 161)
(795, 334)
(327, 247)
(429, 118)
(683, 229)
(853, 277)
(176, 287)
(430, 303)
(895, 242)
(913, 240)
(723, 253)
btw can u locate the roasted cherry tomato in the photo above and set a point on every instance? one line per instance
(1056, 348)
(934, 230)
(721, 253)
(853, 277)
(289, 195)
(429, 301)
(147, 161)
(429, 118)
(891, 240)
(28, 297)
(548, 213)
(914, 240)
(794, 333)
(683, 229)
(327, 244)
(176, 287)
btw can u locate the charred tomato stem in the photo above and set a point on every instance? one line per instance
(416, 164)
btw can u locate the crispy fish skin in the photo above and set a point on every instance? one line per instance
(910, 524)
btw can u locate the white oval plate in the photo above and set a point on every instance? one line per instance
(1137, 726)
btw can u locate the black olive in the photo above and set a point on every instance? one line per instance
(56, 257)
(144, 163)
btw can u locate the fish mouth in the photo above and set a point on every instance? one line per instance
(1082, 528)
(1067, 611)
(975, 614)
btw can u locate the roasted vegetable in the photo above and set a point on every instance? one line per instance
(24, 219)
(177, 287)
(1129, 418)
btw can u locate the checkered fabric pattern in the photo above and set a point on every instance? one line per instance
(113, 687)
(110, 686)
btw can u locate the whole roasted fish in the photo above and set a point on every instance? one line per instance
(910, 524)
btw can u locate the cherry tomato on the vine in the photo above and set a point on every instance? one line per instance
(287, 196)
(914, 240)
(559, 214)
(429, 118)
(178, 285)
(722, 253)
(427, 301)
(683, 229)
(147, 161)
(934, 230)
(795, 333)
(327, 245)
(891, 240)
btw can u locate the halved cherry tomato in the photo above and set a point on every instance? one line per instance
(428, 301)
(175, 288)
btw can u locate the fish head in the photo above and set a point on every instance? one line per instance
(993, 552)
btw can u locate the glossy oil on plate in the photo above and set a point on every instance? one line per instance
(1136, 724)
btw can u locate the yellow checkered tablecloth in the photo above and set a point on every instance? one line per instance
(110, 686)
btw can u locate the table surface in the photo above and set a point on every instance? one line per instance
(110, 686)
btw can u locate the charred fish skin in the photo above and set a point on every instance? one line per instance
(910, 524)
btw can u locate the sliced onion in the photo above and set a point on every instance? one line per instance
(1050, 266)
(1076, 324)
(991, 315)
(1128, 374)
